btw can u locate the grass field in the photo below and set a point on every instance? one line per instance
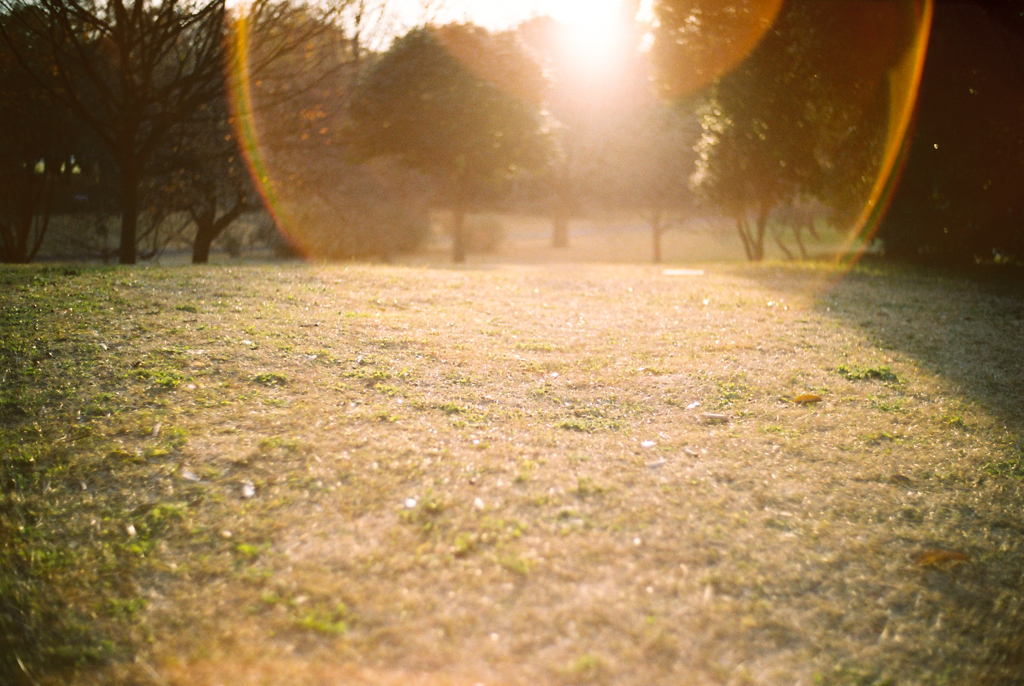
(510, 475)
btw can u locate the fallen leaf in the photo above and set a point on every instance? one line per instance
(807, 399)
(930, 558)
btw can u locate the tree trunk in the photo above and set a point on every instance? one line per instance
(13, 249)
(744, 231)
(562, 206)
(656, 230)
(753, 238)
(560, 235)
(762, 226)
(209, 227)
(21, 239)
(782, 245)
(201, 246)
(129, 213)
(798, 228)
(459, 226)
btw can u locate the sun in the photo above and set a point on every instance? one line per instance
(593, 30)
(597, 34)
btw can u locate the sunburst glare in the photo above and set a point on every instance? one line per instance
(678, 111)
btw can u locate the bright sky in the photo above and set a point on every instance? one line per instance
(501, 14)
(593, 25)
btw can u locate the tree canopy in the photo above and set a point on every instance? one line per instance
(799, 115)
(457, 103)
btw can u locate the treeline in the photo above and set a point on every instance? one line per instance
(183, 116)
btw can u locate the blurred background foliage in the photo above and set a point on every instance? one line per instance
(341, 132)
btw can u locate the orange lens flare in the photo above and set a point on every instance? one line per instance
(904, 83)
(880, 46)
(244, 121)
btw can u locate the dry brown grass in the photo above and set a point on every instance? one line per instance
(511, 475)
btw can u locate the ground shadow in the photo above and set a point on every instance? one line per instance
(965, 327)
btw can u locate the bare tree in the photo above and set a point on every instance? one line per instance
(132, 71)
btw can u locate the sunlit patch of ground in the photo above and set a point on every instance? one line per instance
(511, 475)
